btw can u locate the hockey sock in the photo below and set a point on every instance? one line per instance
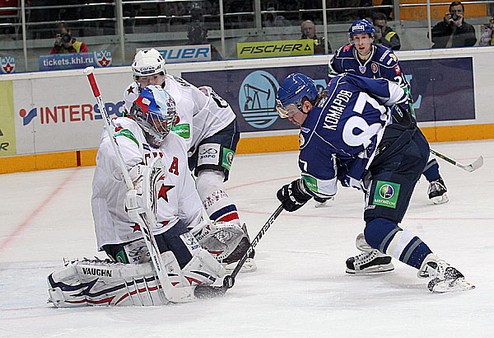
(219, 206)
(386, 236)
(431, 171)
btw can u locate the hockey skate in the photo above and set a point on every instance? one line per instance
(437, 191)
(443, 277)
(370, 261)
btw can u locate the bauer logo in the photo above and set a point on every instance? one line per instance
(68, 113)
(257, 99)
(8, 64)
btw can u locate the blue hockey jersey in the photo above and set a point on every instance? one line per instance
(341, 133)
(382, 63)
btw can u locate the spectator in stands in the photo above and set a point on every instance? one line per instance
(308, 30)
(197, 34)
(384, 34)
(487, 36)
(66, 43)
(453, 31)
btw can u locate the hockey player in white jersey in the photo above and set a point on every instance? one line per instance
(145, 142)
(208, 125)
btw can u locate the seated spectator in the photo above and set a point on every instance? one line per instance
(453, 31)
(487, 36)
(308, 30)
(384, 34)
(66, 43)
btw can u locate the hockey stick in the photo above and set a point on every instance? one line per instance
(468, 167)
(229, 280)
(179, 294)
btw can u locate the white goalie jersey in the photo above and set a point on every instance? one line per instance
(177, 197)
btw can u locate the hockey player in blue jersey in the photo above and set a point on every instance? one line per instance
(361, 132)
(364, 57)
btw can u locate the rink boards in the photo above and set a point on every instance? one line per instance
(49, 120)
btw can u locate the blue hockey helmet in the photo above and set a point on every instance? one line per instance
(155, 112)
(363, 26)
(294, 88)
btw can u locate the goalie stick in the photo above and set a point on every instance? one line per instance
(172, 294)
(468, 167)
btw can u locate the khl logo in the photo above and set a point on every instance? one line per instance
(257, 99)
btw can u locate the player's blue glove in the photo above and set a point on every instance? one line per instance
(293, 196)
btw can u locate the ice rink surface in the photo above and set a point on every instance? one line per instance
(300, 288)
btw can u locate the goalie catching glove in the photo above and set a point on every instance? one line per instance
(293, 196)
(227, 242)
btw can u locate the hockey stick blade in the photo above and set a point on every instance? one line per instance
(474, 165)
(467, 167)
(209, 291)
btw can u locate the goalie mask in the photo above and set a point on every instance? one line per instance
(155, 112)
(148, 62)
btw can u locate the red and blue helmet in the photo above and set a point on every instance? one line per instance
(293, 90)
(155, 111)
(363, 26)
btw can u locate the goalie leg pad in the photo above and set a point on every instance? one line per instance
(204, 269)
(96, 282)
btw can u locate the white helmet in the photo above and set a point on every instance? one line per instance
(148, 62)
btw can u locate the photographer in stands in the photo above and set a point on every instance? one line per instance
(66, 43)
(453, 31)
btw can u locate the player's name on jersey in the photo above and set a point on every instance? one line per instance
(179, 54)
(264, 49)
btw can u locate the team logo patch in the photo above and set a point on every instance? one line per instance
(362, 69)
(227, 159)
(386, 194)
(374, 67)
(397, 70)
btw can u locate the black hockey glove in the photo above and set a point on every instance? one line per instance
(403, 114)
(293, 196)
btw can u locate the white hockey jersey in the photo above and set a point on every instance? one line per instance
(177, 198)
(201, 111)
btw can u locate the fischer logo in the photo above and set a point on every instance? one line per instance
(68, 113)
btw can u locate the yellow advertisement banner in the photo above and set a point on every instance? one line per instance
(267, 49)
(7, 127)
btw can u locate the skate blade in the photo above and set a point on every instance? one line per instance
(457, 285)
(440, 199)
(369, 272)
